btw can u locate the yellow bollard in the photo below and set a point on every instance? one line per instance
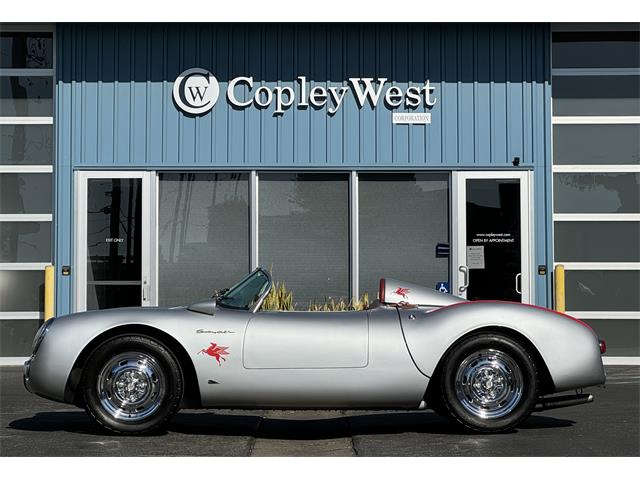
(49, 291)
(558, 278)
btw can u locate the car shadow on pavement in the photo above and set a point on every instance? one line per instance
(340, 426)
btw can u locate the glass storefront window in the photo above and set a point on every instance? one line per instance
(596, 192)
(22, 290)
(596, 49)
(203, 234)
(402, 219)
(622, 335)
(26, 50)
(25, 193)
(26, 90)
(26, 144)
(596, 95)
(598, 290)
(596, 144)
(597, 241)
(16, 337)
(26, 96)
(304, 234)
(25, 241)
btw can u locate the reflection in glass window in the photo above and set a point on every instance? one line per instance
(304, 234)
(597, 241)
(25, 193)
(402, 219)
(26, 96)
(596, 49)
(596, 192)
(16, 337)
(22, 290)
(203, 234)
(611, 290)
(622, 335)
(596, 95)
(114, 242)
(26, 50)
(26, 144)
(596, 144)
(25, 241)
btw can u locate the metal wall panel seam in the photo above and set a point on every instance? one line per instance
(132, 124)
(491, 91)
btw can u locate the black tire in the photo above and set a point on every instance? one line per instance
(489, 383)
(132, 384)
(436, 404)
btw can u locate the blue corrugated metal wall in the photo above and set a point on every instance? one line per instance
(114, 107)
(117, 82)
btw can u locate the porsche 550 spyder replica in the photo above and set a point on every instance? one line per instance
(487, 365)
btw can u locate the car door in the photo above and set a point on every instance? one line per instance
(315, 360)
(301, 360)
(306, 340)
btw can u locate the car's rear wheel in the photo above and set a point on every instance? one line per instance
(132, 384)
(489, 383)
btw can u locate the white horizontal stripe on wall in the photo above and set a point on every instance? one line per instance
(590, 72)
(586, 120)
(23, 266)
(26, 120)
(12, 361)
(596, 217)
(26, 168)
(21, 315)
(604, 315)
(600, 265)
(621, 360)
(596, 168)
(26, 217)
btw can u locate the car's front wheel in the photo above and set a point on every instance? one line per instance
(132, 384)
(489, 383)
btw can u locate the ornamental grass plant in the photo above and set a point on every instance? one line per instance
(280, 298)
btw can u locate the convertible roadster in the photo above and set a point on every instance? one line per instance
(485, 364)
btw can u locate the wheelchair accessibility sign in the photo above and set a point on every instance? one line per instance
(442, 287)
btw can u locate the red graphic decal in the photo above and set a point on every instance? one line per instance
(402, 292)
(216, 351)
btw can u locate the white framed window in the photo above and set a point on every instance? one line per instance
(27, 75)
(596, 177)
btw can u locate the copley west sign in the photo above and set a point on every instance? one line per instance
(196, 91)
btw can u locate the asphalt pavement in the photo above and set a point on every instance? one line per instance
(33, 426)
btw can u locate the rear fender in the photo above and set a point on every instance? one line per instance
(568, 348)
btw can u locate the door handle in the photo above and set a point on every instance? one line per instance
(518, 281)
(465, 272)
(145, 290)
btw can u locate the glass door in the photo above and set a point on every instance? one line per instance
(114, 247)
(492, 258)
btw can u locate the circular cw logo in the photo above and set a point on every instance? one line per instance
(196, 91)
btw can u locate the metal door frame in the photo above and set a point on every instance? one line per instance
(148, 276)
(459, 227)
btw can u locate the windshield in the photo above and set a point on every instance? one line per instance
(245, 294)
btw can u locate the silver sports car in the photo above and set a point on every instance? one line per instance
(485, 364)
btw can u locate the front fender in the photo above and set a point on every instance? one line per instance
(569, 348)
(51, 366)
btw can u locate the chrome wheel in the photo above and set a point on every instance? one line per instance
(131, 386)
(489, 384)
